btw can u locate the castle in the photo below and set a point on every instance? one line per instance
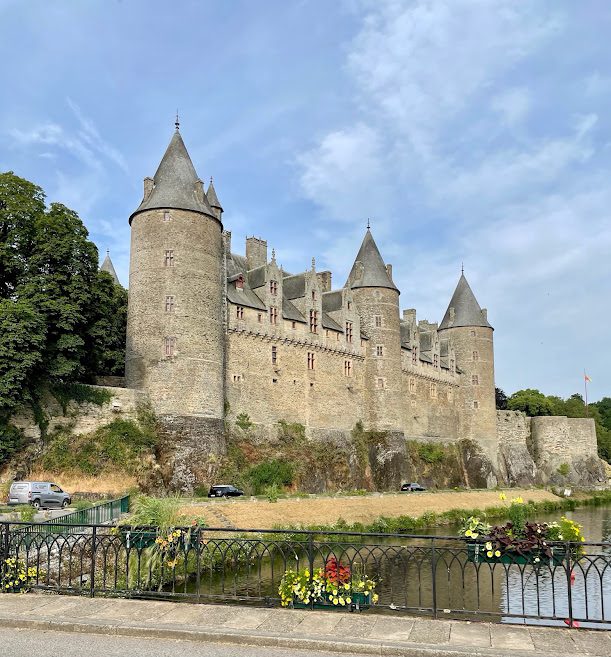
(213, 335)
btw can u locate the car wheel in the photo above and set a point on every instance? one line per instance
(36, 504)
(65, 503)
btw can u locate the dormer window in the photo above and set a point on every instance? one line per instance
(273, 315)
(348, 331)
(239, 282)
(414, 355)
(435, 360)
(273, 288)
(313, 321)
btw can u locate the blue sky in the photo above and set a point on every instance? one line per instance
(473, 131)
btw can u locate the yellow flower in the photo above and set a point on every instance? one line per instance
(488, 545)
(348, 600)
(374, 598)
(502, 496)
(489, 553)
(468, 532)
(517, 500)
(497, 553)
(474, 535)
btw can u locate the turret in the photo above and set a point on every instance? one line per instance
(109, 268)
(174, 326)
(467, 326)
(377, 300)
(214, 202)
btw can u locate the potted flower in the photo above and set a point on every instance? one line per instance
(519, 541)
(334, 585)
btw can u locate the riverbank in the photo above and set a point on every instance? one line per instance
(381, 513)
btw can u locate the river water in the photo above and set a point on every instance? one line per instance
(434, 574)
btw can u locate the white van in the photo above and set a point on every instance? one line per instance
(40, 494)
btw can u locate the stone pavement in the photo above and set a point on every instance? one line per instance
(365, 633)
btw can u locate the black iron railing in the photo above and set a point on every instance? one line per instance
(438, 576)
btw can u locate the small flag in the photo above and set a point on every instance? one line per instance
(586, 378)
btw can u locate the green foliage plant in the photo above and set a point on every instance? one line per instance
(243, 421)
(27, 513)
(563, 469)
(79, 393)
(431, 453)
(269, 473)
(272, 492)
(11, 441)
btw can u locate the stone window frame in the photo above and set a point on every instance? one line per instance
(452, 365)
(169, 258)
(349, 305)
(237, 378)
(379, 351)
(169, 346)
(377, 319)
(433, 390)
(167, 216)
(414, 355)
(412, 384)
(169, 303)
(293, 325)
(348, 368)
(313, 321)
(475, 405)
(475, 355)
(436, 361)
(260, 317)
(475, 379)
(239, 312)
(274, 355)
(273, 288)
(311, 361)
(473, 333)
(380, 383)
(273, 315)
(349, 332)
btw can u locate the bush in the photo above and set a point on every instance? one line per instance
(430, 453)
(27, 513)
(269, 473)
(11, 441)
(272, 492)
(563, 469)
(163, 512)
(243, 421)
(80, 393)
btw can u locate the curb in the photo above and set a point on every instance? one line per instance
(262, 639)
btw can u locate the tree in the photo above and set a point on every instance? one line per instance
(501, 399)
(106, 334)
(530, 401)
(604, 408)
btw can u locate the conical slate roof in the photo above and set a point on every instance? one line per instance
(175, 182)
(369, 269)
(463, 309)
(213, 200)
(108, 267)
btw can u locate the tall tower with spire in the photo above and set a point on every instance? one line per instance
(377, 300)
(175, 342)
(467, 326)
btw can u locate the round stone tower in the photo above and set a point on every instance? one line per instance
(174, 320)
(377, 301)
(466, 325)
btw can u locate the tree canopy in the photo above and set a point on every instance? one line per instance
(61, 320)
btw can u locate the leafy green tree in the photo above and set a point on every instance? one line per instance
(501, 399)
(21, 206)
(106, 334)
(604, 408)
(530, 401)
(22, 340)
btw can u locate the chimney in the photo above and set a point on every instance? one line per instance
(256, 252)
(199, 190)
(324, 280)
(389, 271)
(409, 315)
(148, 187)
(227, 236)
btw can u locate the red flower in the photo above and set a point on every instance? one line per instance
(335, 572)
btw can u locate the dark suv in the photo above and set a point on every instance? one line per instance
(225, 491)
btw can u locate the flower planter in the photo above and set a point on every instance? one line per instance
(358, 602)
(476, 553)
(137, 538)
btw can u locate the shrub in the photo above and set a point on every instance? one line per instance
(80, 393)
(272, 493)
(27, 513)
(163, 512)
(269, 473)
(243, 421)
(291, 431)
(11, 441)
(563, 469)
(430, 453)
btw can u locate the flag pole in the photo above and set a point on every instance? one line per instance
(585, 385)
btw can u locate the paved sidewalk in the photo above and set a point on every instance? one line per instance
(365, 633)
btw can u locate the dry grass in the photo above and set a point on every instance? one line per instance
(260, 514)
(106, 484)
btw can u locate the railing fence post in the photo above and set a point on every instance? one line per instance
(311, 559)
(92, 574)
(5, 548)
(434, 576)
(569, 583)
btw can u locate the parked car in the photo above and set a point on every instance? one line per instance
(414, 486)
(225, 491)
(40, 494)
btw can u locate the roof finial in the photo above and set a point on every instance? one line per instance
(211, 180)
(107, 252)
(368, 224)
(462, 268)
(313, 264)
(177, 122)
(273, 255)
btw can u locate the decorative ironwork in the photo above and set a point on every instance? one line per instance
(437, 576)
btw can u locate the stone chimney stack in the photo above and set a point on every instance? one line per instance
(256, 252)
(409, 315)
(324, 280)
